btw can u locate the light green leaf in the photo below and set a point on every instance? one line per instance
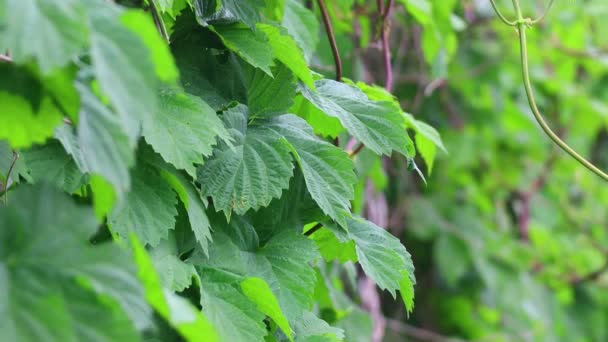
(383, 258)
(302, 25)
(258, 291)
(50, 32)
(427, 150)
(234, 316)
(183, 130)
(148, 209)
(142, 25)
(313, 329)
(42, 275)
(287, 51)
(250, 45)
(123, 67)
(270, 96)
(250, 174)
(327, 170)
(180, 314)
(29, 114)
(379, 125)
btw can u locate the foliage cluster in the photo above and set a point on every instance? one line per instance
(175, 170)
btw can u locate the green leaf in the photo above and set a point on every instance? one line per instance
(334, 244)
(287, 51)
(228, 11)
(148, 209)
(302, 25)
(175, 274)
(327, 170)
(50, 163)
(249, 174)
(180, 314)
(270, 96)
(250, 45)
(46, 258)
(427, 150)
(379, 125)
(258, 291)
(311, 328)
(101, 146)
(194, 205)
(52, 33)
(29, 113)
(123, 67)
(141, 24)
(183, 130)
(234, 316)
(383, 258)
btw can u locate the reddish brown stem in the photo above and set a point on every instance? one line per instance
(332, 39)
(384, 33)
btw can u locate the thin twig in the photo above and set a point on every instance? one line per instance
(415, 332)
(8, 175)
(384, 32)
(313, 229)
(331, 38)
(356, 150)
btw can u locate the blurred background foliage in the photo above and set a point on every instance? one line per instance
(509, 236)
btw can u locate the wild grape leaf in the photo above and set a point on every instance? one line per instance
(29, 113)
(269, 96)
(194, 205)
(287, 51)
(252, 46)
(232, 314)
(123, 67)
(379, 125)
(302, 25)
(141, 24)
(217, 79)
(228, 11)
(102, 145)
(183, 130)
(49, 32)
(383, 258)
(148, 209)
(44, 273)
(327, 170)
(258, 291)
(175, 274)
(51, 163)
(313, 329)
(283, 262)
(249, 174)
(180, 314)
(334, 244)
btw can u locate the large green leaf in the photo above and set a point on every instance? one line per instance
(327, 170)
(50, 32)
(102, 145)
(180, 314)
(183, 130)
(228, 11)
(148, 209)
(50, 163)
(123, 67)
(383, 258)
(258, 291)
(302, 25)
(252, 46)
(287, 51)
(379, 125)
(45, 258)
(252, 172)
(29, 113)
(270, 96)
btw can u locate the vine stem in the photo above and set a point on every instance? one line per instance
(332, 39)
(385, 13)
(522, 24)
